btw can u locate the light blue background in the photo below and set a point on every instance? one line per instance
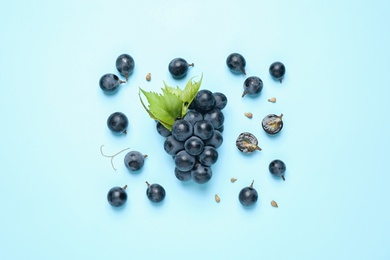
(335, 142)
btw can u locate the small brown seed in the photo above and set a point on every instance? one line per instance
(233, 180)
(274, 204)
(273, 100)
(248, 114)
(148, 77)
(217, 199)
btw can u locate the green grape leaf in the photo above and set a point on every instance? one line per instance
(171, 104)
(189, 93)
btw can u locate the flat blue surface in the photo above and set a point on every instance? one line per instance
(335, 141)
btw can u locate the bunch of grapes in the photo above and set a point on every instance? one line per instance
(195, 138)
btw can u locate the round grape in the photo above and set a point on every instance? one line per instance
(172, 146)
(125, 65)
(215, 116)
(215, 140)
(182, 175)
(248, 196)
(182, 129)
(201, 173)
(194, 145)
(236, 63)
(272, 124)
(134, 160)
(184, 161)
(117, 196)
(162, 130)
(209, 156)
(220, 100)
(203, 129)
(252, 86)
(204, 100)
(155, 192)
(118, 122)
(109, 83)
(277, 168)
(178, 67)
(193, 116)
(277, 70)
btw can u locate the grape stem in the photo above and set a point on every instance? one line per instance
(190, 64)
(111, 156)
(243, 71)
(252, 184)
(147, 183)
(283, 178)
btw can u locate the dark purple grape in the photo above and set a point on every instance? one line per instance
(184, 161)
(155, 192)
(272, 124)
(178, 67)
(220, 100)
(134, 160)
(203, 129)
(215, 140)
(277, 70)
(162, 130)
(204, 100)
(248, 196)
(215, 116)
(201, 174)
(125, 65)
(252, 86)
(117, 122)
(182, 175)
(109, 83)
(193, 116)
(182, 129)
(172, 146)
(117, 196)
(236, 63)
(194, 145)
(209, 156)
(277, 168)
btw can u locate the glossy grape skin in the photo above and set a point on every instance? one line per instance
(248, 196)
(155, 192)
(172, 146)
(201, 173)
(118, 122)
(162, 130)
(215, 140)
(272, 124)
(182, 175)
(220, 100)
(182, 130)
(184, 161)
(109, 83)
(236, 63)
(252, 86)
(193, 116)
(277, 70)
(125, 65)
(194, 145)
(178, 67)
(117, 196)
(203, 129)
(216, 117)
(209, 156)
(277, 168)
(134, 160)
(204, 100)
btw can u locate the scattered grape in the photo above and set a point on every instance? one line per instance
(272, 124)
(125, 65)
(117, 196)
(117, 122)
(155, 192)
(252, 86)
(247, 143)
(134, 160)
(277, 70)
(236, 63)
(109, 83)
(178, 67)
(277, 168)
(248, 196)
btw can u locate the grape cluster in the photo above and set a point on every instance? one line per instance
(195, 138)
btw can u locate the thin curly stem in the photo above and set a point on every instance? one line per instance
(112, 156)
